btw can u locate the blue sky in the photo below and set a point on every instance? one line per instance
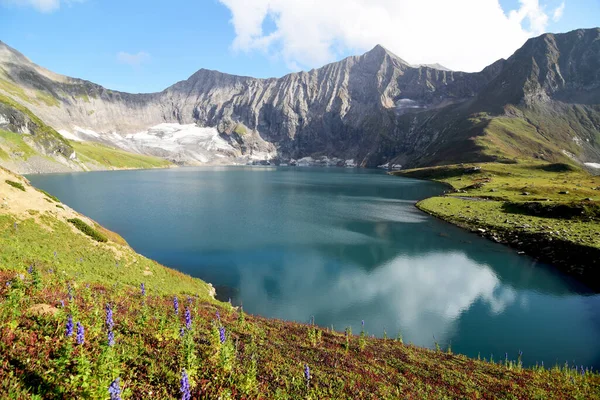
(143, 46)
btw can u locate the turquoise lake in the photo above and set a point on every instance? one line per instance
(343, 245)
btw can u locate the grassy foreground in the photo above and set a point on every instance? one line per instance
(549, 211)
(81, 318)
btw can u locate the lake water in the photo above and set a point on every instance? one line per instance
(343, 246)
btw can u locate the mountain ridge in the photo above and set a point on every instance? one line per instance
(373, 108)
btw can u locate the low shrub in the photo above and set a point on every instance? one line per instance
(16, 185)
(88, 230)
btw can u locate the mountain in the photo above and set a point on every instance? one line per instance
(375, 108)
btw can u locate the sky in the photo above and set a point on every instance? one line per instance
(146, 46)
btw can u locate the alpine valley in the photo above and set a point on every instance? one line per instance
(542, 103)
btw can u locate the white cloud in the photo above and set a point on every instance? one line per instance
(45, 6)
(558, 12)
(461, 34)
(134, 60)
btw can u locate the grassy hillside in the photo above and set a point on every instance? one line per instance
(116, 158)
(550, 211)
(56, 277)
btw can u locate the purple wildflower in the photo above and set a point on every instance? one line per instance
(114, 390)
(222, 334)
(185, 386)
(62, 304)
(111, 338)
(30, 269)
(181, 332)
(80, 334)
(143, 288)
(582, 371)
(218, 316)
(188, 318)
(307, 374)
(109, 318)
(70, 293)
(176, 305)
(362, 323)
(69, 330)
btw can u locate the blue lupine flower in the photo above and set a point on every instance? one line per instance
(80, 334)
(109, 317)
(307, 373)
(362, 323)
(143, 288)
(62, 304)
(111, 338)
(185, 386)
(181, 332)
(188, 318)
(222, 334)
(582, 371)
(218, 315)
(176, 305)
(69, 330)
(30, 269)
(114, 390)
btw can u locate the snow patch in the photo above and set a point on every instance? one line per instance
(68, 135)
(592, 165)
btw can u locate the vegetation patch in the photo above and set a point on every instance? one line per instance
(47, 98)
(111, 157)
(51, 197)
(16, 185)
(16, 143)
(240, 129)
(88, 230)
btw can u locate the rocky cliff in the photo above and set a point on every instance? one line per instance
(373, 108)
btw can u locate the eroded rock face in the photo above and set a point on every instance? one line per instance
(374, 108)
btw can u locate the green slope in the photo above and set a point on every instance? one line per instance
(111, 157)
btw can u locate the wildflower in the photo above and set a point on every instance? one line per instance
(70, 293)
(114, 390)
(176, 305)
(109, 317)
(30, 269)
(218, 316)
(69, 330)
(307, 374)
(188, 318)
(181, 332)
(222, 334)
(143, 288)
(582, 371)
(185, 386)
(62, 304)
(80, 334)
(362, 323)
(111, 338)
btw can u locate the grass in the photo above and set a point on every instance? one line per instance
(47, 98)
(16, 144)
(240, 129)
(51, 197)
(16, 185)
(50, 274)
(88, 230)
(108, 156)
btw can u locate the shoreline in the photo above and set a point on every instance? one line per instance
(483, 215)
